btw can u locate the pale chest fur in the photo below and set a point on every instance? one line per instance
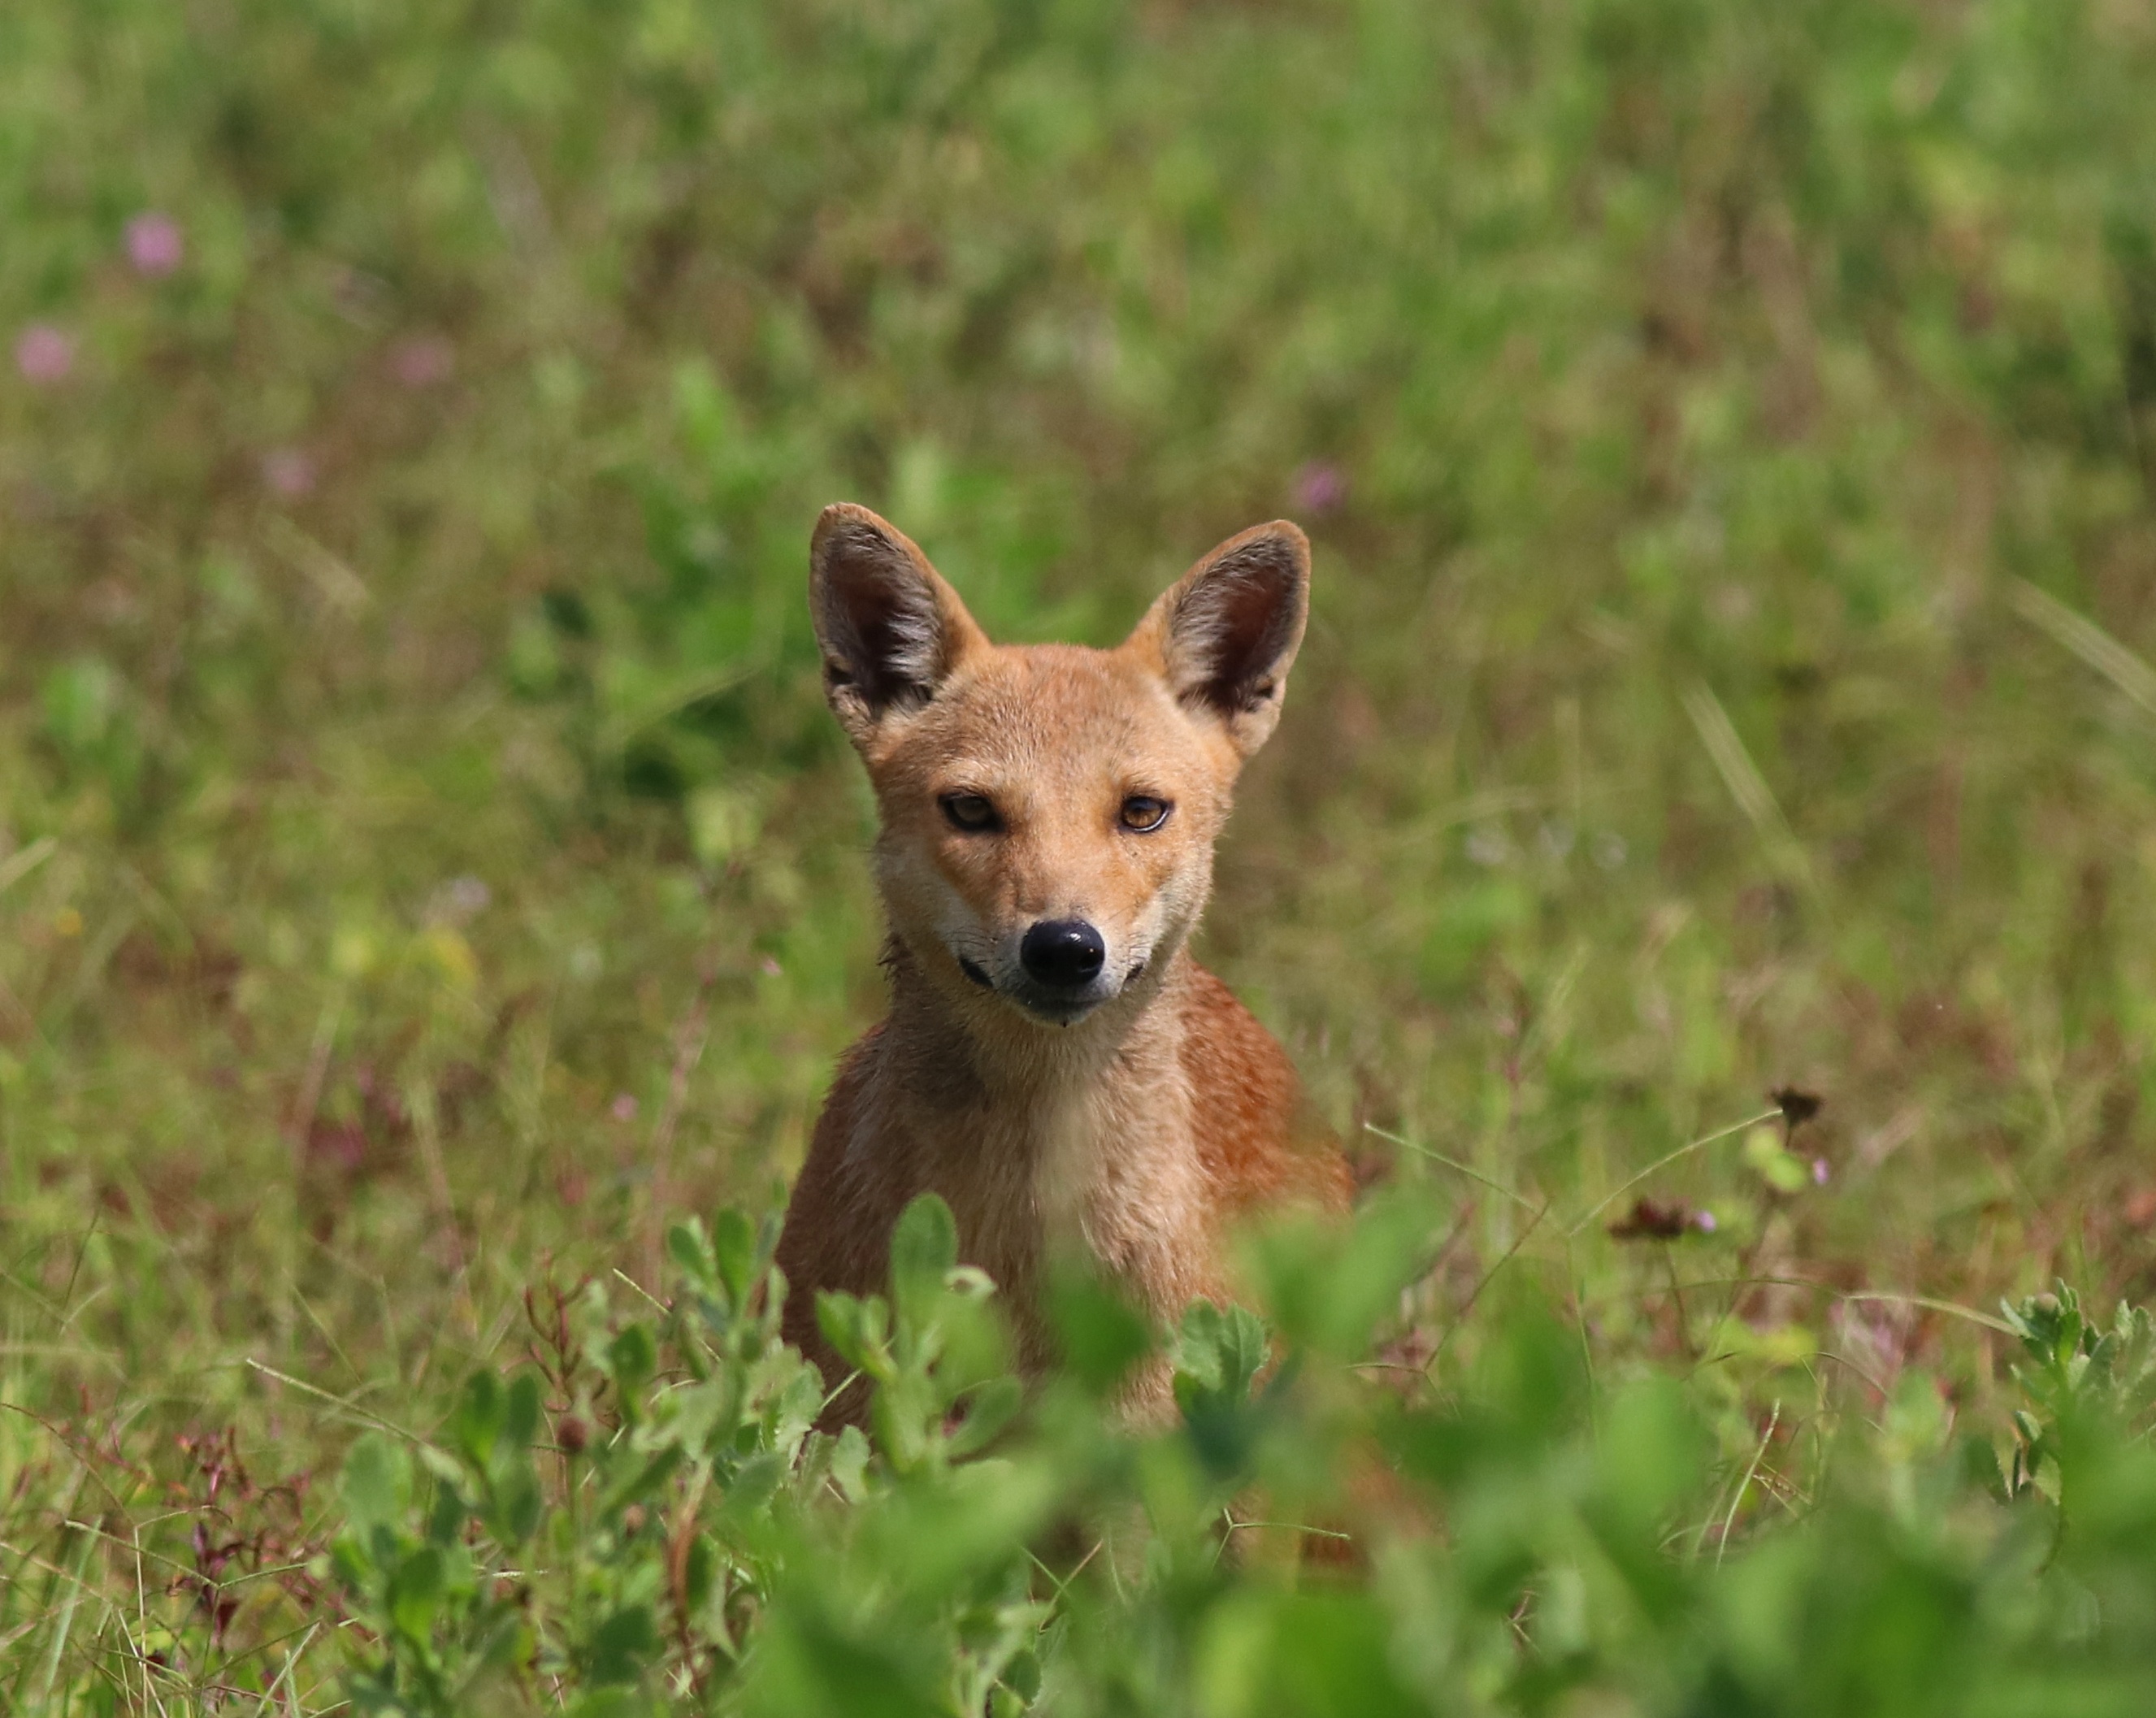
(1064, 1157)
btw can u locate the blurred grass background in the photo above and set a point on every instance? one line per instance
(1728, 433)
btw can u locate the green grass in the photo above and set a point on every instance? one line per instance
(428, 872)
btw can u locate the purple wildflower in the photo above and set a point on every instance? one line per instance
(1320, 488)
(44, 354)
(1819, 1172)
(155, 246)
(1703, 1220)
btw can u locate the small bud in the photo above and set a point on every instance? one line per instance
(571, 1434)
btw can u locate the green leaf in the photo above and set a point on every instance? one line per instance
(1022, 1675)
(477, 1421)
(849, 1463)
(518, 1506)
(924, 1248)
(376, 1484)
(445, 1521)
(1218, 1354)
(857, 1330)
(691, 1250)
(755, 1483)
(988, 1410)
(631, 1358)
(735, 1249)
(811, 1664)
(1651, 1452)
(1101, 1336)
(699, 1570)
(1327, 1284)
(1221, 1351)
(521, 1411)
(641, 1482)
(416, 1589)
(622, 1646)
(1299, 1655)
(1780, 1169)
(1651, 1459)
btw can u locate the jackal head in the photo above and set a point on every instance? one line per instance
(1049, 811)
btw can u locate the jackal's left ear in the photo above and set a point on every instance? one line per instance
(890, 630)
(1225, 634)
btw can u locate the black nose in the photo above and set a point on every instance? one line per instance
(1064, 952)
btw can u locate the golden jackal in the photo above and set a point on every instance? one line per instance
(1055, 1064)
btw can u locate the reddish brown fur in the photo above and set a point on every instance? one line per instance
(1135, 1126)
(1258, 1136)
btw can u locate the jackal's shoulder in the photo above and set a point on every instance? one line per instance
(1258, 1135)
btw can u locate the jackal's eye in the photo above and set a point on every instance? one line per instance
(970, 812)
(1142, 813)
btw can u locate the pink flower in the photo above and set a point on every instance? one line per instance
(44, 354)
(1320, 488)
(155, 244)
(289, 471)
(624, 1107)
(423, 360)
(1819, 1172)
(1703, 1220)
(338, 1145)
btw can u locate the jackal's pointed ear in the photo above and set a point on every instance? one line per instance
(1225, 634)
(890, 630)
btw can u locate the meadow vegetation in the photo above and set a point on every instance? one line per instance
(1704, 871)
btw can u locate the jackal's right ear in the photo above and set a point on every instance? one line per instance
(890, 630)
